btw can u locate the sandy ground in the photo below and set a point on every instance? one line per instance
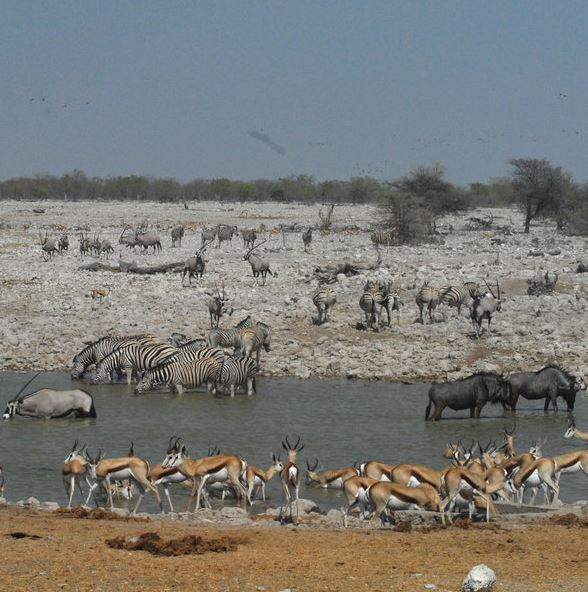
(72, 554)
(49, 315)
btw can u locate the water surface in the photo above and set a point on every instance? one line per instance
(340, 422)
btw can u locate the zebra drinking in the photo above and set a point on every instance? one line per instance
(238, 370)
(180, 375)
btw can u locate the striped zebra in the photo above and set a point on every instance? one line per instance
(194, 350)
(375, 297)
(324, 299)
(430, 297)
(228, 337)
(457, 296)
(98, 350)
(133, 356)
(381, 238)
(252, 339)
(236, 371)
(180, 375)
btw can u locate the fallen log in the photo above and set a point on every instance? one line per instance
(127, 267)
(329, 273)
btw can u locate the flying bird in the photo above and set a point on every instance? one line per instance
(267, 141)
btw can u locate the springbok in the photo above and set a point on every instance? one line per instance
(387, 497)
(220, 467)
(376, 470)
(167, 476)
(256, 478)
(571, 462)
(107, 470)
(574, 432)
(75, 469)
(333, 479)
(540, 473)
(290, 478)
(355, 490)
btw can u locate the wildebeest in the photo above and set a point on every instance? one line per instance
(50, 403)
(470, 393)
(548, 383)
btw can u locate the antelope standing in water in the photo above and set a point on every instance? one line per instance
(256, 478)
(574, 432)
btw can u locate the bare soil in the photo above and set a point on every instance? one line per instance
(73, 554)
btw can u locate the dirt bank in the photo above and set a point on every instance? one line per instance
(49, 315)
(72, 554)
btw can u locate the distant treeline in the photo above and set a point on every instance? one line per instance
(410, 205)
(77, 186)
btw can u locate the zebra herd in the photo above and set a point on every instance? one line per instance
(180, 364)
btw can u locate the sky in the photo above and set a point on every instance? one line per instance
(249, 89)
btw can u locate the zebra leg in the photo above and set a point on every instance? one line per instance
(250, 389)
(179, 389)
(232, 388)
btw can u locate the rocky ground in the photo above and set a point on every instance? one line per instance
(49, 550)
(49, 316)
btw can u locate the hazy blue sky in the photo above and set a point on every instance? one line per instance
(331, 89)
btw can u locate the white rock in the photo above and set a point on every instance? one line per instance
(480, 579)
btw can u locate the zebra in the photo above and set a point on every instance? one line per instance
(431, 297)
(182, 374)
(225, 233)
(194, 350)
(252, 339)
(98, 350)
(381, 238)
(133, 356)
(237, 370)
(375, 297)
(228, 337)
(177, 234)
(324, 299)
(307, 239)
(457, 296)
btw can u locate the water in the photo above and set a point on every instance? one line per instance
(340, 422)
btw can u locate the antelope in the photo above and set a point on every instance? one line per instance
(63, 244)
(256, 478)
(307, 239)
(520, 461)
(133, 468)
(166, 476)
(84, 244)
(483, 307)
(220, 467)
(376, 470)
(540, 473)
(290, 478)
(195, 266)
(387, 497)
(333, 479)
(217, 306)
(99, 293)
(75, 469)
(106, 247)
(355, 490)
(574, 432)
(259, 265)
(459, 482)
(571, 462)
(48, 247)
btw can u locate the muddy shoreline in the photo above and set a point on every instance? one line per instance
(50, 316)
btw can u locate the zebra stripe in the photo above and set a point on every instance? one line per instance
(324, 299)
(181, 374)
(98, 350)
(431, 297)
(381, 237)
(192, 351)
(252, 339)
(228, 337)
(373, 300)
(236, 371)
(133, 356)
(457, 296)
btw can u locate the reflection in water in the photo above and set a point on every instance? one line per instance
(341, 422)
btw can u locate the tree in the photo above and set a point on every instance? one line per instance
(541, 189)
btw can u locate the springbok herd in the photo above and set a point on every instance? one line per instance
(476, 476)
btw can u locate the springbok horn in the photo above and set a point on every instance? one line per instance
(74, 447)
(288, 443)
(296, 445)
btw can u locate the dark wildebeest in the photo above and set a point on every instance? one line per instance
(470, 393)
(50, 403)
(548, 383)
